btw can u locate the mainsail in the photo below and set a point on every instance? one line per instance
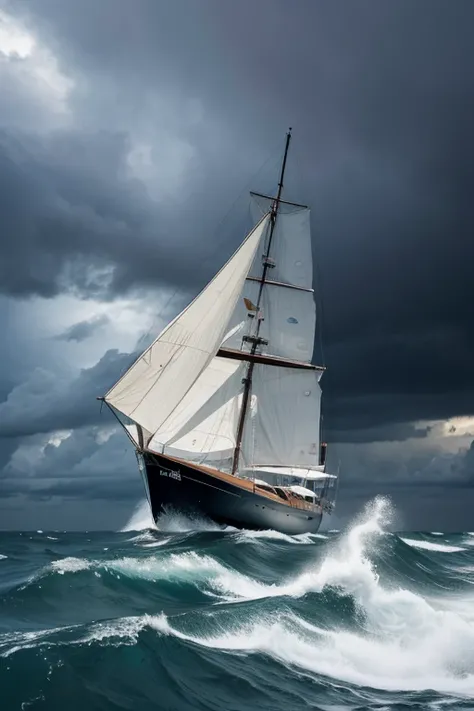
(282, 427)
(230, 379)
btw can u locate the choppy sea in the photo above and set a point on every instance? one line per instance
(192, 616)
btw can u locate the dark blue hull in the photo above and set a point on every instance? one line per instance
(174, 484)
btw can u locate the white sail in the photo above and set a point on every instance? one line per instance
(189, 400)
(282, 426)
(291, 243)
(203, 427)
(161, 377)
(287, 301)
(289, 321)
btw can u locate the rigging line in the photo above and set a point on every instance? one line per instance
(139, 342)
(112, 410)
(137, 347)
(271, 157)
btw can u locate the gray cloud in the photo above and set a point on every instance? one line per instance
(83, 329)
(46, 402)
(91, 463)
(380, 97)
(74, 221)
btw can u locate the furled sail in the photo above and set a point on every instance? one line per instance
(154, 386)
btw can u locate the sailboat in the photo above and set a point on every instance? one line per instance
(224, 407)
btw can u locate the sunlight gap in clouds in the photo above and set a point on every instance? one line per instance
(56, 438)
(126, 321)
(36, 64)
(448, 435)
(14, 41)
(459, 427)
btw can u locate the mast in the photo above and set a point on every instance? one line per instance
(256, 340)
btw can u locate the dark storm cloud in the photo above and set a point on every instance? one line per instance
(83, 329)
(85, 464)
(428, 490)
(381, 98)
(385, 433)
(91, 487)
(46, 403)
(73, 220)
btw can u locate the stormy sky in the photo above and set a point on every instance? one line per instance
(130, 135)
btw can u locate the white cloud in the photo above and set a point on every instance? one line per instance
(14, 41)
(30, 67)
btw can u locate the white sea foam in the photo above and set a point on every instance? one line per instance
(70, 565)
(156, 544)
(3, 557)
(143, 537)
(202, 571)
(171, 522)
(300, 539)
(183, 566)
(433, 651)
(124, 630)
(345, 566)
(390, 661)
(11, 642)
(175, 522)
(407, 643)
(140, 519)
(430, 546)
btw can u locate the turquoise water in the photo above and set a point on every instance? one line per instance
(195, 617)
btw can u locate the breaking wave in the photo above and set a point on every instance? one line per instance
(182, 618)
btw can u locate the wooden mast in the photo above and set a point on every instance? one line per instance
(256, 340)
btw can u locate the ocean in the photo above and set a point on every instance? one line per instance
(194, 616)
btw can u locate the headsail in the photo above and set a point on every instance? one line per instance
(160, 378)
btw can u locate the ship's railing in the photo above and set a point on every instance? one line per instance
(289, 497)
